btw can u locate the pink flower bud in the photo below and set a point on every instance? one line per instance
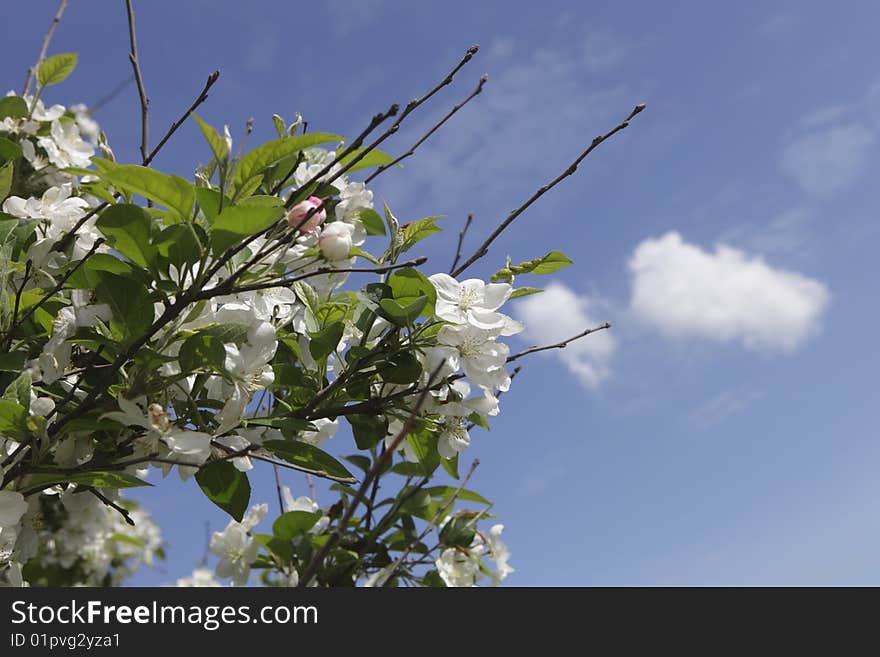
(335, 240)
(299, 211)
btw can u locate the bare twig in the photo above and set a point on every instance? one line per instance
(426, 136)
(558, 345)
(33, 70)
(113, 505)
(201, 98)
(278, 489)
(461, 234)
(142, 92)
(106, 99)
(484, 247)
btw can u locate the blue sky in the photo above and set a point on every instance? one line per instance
(724, 432)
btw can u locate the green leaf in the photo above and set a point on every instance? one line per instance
(218, 144)
(13, 418)
(226, 487)
(202, 352)
(94, 269)
(375, 158)
(209, 202)
(368, 430)
(294, 524)
(359, 460)
(372, 222)
(5, 180)
(403, 315)
(401, 368)
(269, 153)
(445, 493)
(324, 342)
(459, 531)
(91, 479)
(19, 390)
(130, 304)
(55, 69)
(408, 285)
(12, 361)
(524, 292)
(309, 459)
(416, 231)
(424, 444)
(172, 192)
(242, 220)
(128, 228)
(180, 244)
(9, 150)
(14, 107)
(552, 262)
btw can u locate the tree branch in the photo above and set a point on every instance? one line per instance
(201, 98)
(374, 472)
(142, 92)
(435, 128)
(461, 234)
(484, 247)
(558, 345)
(439, 514)
(32, 70)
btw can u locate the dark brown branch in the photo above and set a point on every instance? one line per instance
(374, 472)
(558, 345)
(201, 98)
(32, 71)
(139, 78)
(484, 247)
(427, 135)
(461, 234)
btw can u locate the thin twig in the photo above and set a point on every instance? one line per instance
(435, 128)
(461, 234)
(223, 289)
(70, 393)
(18, 293)
(105, 100)
(113, 505)
(32, 71)
(142, 92)
(334, 538)
(484, 247)
(278, 489)
(439, 514)
(70, 272)
(71, 234)
(558, 345)
(201, 98)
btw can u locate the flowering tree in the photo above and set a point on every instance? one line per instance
(215, 327)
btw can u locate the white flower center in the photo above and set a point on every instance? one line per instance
(466, 298)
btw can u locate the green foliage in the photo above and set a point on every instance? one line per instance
(226, 487)
(552, 262)
(55, 69)
(309, 459)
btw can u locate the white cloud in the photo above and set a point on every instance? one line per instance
(558, 314)
(827, 161)
(727, 295)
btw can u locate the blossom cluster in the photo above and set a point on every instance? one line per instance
(217, 327)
